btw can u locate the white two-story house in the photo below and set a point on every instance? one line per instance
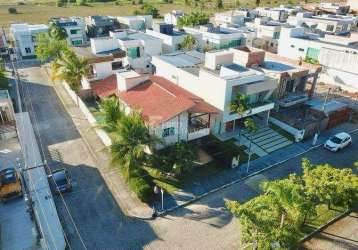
(24, 36)
(75, 28)
(217, 78)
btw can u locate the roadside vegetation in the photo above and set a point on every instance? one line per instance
(290, 208)
(4, 84)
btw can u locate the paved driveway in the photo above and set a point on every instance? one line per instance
(203, 225)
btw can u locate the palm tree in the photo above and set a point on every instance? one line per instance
(112, 111)
(131, 141)
(189, 42)
(240, 104)
(56, 32)
(70, 68)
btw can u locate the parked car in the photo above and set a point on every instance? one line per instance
(62, 180)
(338, 142)
(10, 184)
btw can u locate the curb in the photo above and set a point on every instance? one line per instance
(199, 197)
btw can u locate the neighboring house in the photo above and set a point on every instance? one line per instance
(75, 28)
(3, 43)
(24, 36)
(330, 24)
(217, 37)
(139, 47)
(275, 14)
(173, 17)
(105, 58)
(99, 26)
(172, 113)
(135, 22)
(267, 34)
(337, 55)
(217, 78)
(335, 8)
(170, 37)
(230, 18)
(291, 75)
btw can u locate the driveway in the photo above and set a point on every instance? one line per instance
(204, 224)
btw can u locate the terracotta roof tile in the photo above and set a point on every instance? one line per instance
(105, 87)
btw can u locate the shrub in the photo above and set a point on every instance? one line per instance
(20, 3)
(12, 10)
(141, 188)
(59, 3)
(140, 2)
(148, 9)
(81, 2)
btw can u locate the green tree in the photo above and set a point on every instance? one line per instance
(219, 4)
(56, 32)
(252, 128)
(131, 141)
(149, 9)
(112, 112)
(81, 2)
(258, 2)
(4, 84)
(193, 19)
(189, 42)
(240, 104)
(331, 186)
(182, 156)
(48, 48)
(70, 68)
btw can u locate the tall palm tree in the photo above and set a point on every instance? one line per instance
(70, 68)
(112, 111)
(131, 141)
(56, 32)
(251, 127)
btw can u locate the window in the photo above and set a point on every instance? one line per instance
(292, 46)
(76, 42)
(73, 32)
(330, 27)
(168, 132)
(300, 49)
(117, 65)
(28, 50)
(133, 52)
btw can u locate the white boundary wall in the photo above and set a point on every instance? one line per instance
(106, 140)
(298, 134)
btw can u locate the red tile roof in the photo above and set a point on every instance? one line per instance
(105, 87)
(158, 99)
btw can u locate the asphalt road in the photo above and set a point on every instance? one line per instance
(100, 222)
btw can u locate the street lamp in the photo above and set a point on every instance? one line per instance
(156, 191)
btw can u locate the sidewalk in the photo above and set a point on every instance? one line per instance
(126, 200)
(231, 176)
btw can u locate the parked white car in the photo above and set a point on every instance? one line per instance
(338, 142)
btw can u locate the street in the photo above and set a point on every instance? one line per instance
(92, 219)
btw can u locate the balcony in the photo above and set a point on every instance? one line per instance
(198, 127)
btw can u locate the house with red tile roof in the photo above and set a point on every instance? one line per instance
(171, 112)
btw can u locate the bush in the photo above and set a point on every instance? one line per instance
(12, 10)
(59, 3)
(141, 188)
(81, 2)
(20, 3)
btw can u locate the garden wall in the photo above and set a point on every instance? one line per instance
(297, 134)
(106, 140)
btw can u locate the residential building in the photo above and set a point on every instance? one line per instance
(135, 22)
(139, 47)
(267, 34)
(217, 78)
(170, 37)
(338, 55)
(292, 76)
(328, 23)
(99, 26)
(334, 8)
(217, 37)
(3, 43)
(230, 18)
(24, 36)
(275, 14)
(104, 57)
(75, 28)
(291, 10)
(172, 113)
(173, 17)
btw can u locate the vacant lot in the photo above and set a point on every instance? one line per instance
(32, 13)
